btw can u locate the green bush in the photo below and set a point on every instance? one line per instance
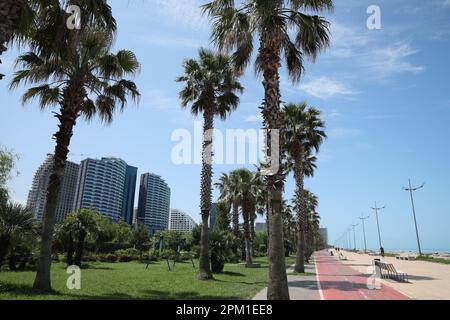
(108, 257)
(126, 258)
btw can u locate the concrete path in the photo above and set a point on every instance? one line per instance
(339, 281)
(427, 280)
(300, 287)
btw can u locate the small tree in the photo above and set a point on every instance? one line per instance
(15, 221)
(140, 237)
(223, 219)
(75, 230)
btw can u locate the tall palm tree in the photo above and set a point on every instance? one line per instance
(304, 131)
(15, 220)
(211, 87)
(282, 27)
(84, 84)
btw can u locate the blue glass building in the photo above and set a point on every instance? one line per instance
(108, 186)
(154, 203)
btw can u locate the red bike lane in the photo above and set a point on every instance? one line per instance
(341, 282)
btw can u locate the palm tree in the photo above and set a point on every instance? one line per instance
(227, 186)
(211, 87)
(13, 14)
(249, 186)
(273, 22)
(19, 19)
(15, 220)
(304, 131)
(84, 84)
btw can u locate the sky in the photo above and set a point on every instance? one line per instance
(384, 95)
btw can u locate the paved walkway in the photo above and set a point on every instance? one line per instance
(300, 287)
(339, 281)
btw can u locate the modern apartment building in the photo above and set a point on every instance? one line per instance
(108, 186)
(37, 196)
(180, 221)
(154, 203)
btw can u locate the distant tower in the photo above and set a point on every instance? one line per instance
(37, 196)
(154, 203)
(108, 186)
(180, 221)
(324, 233)
(212, 215)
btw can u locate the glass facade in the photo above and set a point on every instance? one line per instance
(107, 186)
(154, 203)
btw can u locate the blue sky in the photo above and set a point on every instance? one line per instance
(384, 94)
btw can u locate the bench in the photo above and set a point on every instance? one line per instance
(388, 271)
(342, 257)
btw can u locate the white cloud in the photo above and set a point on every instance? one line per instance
(339, 133)
(182, 13)
(171, 41)
(389, 61)
(253, 118)
(326, 88)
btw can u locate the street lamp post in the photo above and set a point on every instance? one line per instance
(411, 190)
(376, 209)
(362, 218)
(354, 235)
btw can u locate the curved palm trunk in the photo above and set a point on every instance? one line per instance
(206, 194)
(278, 285)
(9, 21)
(72, 99)
(301, 213)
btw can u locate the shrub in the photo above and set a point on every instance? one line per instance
(220, 246)
(90, 258)
(108, 257)
(126, 258)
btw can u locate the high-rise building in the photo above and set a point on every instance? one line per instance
(260, 227)
(154, 203)
(108, 186)
(180, 221)
(37, 196)
(212, 215)
(324, 234)
(129, 193)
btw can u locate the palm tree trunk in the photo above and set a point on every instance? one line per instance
(270, 52)
(79, 250)
(247, 238)
(301, 213)
(206, 194)
(4, 246)
(235, 218)
(72, 99)
(9, 21)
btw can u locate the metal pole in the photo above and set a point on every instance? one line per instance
(411, 190)
(378, 224)
(364, 231)
(354, 235)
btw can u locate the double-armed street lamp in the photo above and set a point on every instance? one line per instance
(410, 189)
(376, 209)
(362, 218)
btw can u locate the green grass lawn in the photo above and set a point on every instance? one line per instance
(435, 260)
(132, 281)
